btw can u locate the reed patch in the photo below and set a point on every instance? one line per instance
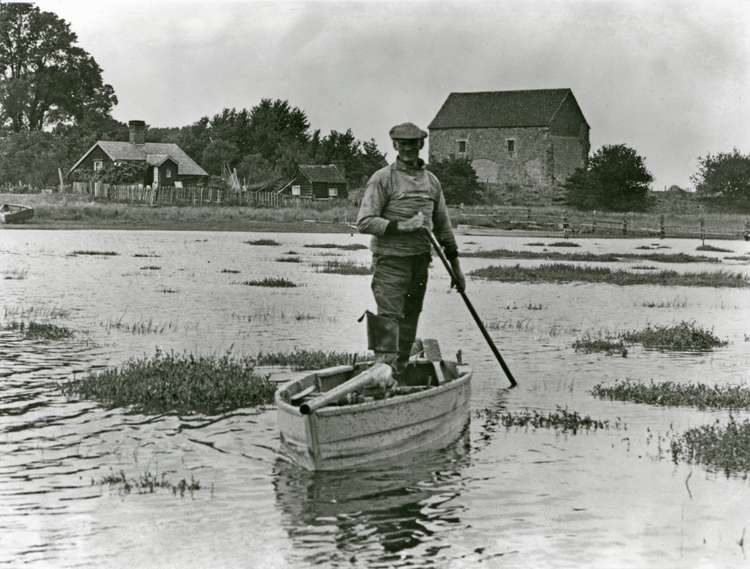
(272, 282)
(308, 359)
(83, 252)
(560, 420)
(288, 260)
(684, 336)
(262, 242)
(14, 274)
(681, 336)
(148, 483)
(343, 268)
(713, 248)
(349, 247)
(676, 394)
(563, 273)
(40, 330)
(176, 383)
(724, 448)
(592, 257)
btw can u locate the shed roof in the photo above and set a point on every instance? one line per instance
(117, 150)
(322, 173)
(500, 108)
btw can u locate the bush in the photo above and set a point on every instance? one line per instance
(724, 177)
(615, 179)
(459, 181)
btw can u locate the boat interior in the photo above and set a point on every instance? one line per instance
(420, 374)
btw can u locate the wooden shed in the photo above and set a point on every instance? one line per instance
(322, 182)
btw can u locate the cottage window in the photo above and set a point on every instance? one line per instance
(296, 190)
(98, 165)
(333, 192)
(510, 145)
(169, 172)
(461, 147)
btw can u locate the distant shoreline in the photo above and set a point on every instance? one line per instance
(250, 227)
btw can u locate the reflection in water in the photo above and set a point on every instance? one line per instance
(396, 510)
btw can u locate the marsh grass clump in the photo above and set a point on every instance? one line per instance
(273, 282)
(563, 273)
(563, 244)
(148, 483)
(262, 242)
(610, 346)
(343, 268)
(744, 258)
(167, 291)
(40, 331)
(561, 420)
(151, 268)
(146, 255)
(591, 257)
(721, 448)
(288, 260)
(677, 302)
(682, 336)
(308, 359)
(42, 312)
(350, 247)
(78, 252)
(713, 248)
(674, 394)
(176, 383)
(139, 328)
(230, 271)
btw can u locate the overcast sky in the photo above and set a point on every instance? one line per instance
(669, 79)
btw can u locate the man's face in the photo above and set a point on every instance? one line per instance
(408, 149)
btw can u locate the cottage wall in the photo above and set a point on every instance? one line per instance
(320, 189)
(87, 165)
(570, 140)
(530, 164)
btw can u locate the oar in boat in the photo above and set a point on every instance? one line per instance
(501, 361)
(379, 373)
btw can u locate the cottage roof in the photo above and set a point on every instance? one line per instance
(158, 159)
(500, 109)
(117, 150)
(319, 173)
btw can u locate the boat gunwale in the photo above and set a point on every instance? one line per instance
(367, 406)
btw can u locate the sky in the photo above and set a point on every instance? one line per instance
(669, 79)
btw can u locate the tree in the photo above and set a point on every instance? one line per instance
(31, 158)
(44, 77)
(218, 152)
(255, 170)
(459, 181)
(725, 177)
(274, 125)
(615, 178)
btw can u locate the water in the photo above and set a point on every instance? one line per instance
(496, 498)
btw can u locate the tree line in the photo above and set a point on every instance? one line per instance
(54, 106)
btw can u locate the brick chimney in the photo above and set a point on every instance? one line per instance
(137, 132)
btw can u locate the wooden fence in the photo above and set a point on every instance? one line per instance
(187, 195)
(625, 225)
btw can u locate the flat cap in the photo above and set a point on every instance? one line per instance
(407, 131)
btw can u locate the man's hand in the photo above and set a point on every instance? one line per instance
(412, 224)
(459, 281)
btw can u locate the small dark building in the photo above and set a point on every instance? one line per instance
(317, 182)
(163, 163)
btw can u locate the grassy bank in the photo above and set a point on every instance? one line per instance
(562, 273)
(75, 210)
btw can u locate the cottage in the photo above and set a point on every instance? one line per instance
(529, 138)
(163, 163)
(317, 182)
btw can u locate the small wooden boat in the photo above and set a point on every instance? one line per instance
(341, 417)
(10, 213)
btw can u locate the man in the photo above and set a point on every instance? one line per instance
(400, 201)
